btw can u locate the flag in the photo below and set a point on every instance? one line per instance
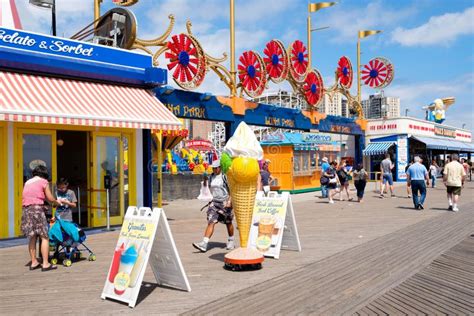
(366, 33)
(313, 7)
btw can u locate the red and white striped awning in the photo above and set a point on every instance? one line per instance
(38, 99)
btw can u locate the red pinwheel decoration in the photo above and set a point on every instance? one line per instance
(298, 61)
(313, 88)
(276, 61)
(344, 72)
(187, 59)
(252, 74)
(390, 72)
(375, 73)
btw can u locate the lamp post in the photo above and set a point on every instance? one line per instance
(463, 125)
(362, 34)
(313, 7)
(406, 112)
(233, 74)
(48, 4)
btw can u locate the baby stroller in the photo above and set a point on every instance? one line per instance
(67, 238)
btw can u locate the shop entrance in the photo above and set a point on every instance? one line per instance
(93, 162)
(72, 162)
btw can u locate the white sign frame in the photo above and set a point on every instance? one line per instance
(287, 238)
(153, 248)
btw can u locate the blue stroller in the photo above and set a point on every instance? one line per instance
(67, 238)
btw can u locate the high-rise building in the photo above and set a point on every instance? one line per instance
(380, 106)
(331, 105)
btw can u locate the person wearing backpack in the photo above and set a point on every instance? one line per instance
(360, 180)
(220, 208)
(324, 180)
(343, 176)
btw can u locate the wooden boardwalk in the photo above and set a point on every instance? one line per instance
(445, 287)
(352, 254)
(339, 284)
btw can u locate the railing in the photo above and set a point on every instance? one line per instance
(376, 179)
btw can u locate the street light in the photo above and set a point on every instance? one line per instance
(48, 4)
(362, 34)
(313, 7)
(406, 112)
(463, 125)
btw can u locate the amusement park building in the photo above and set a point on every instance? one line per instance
(406, 137)
(86, 112)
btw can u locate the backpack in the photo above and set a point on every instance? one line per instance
(341, 174)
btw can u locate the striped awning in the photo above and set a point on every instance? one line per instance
(377, 148)
(39, 99)
(444, 144)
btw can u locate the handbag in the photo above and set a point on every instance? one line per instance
(333, 180)
(324, 180)
(204, 193)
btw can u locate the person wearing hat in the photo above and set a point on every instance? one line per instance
(265, 177)
(219, 209)
(324, 167)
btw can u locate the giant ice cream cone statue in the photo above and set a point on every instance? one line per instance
(240, 162)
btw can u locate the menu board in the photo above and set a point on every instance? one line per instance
(135, 245)
(268, 223)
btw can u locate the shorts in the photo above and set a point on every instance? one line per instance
(331, 186)
(453, 190)
(387, 177)
(216, 212)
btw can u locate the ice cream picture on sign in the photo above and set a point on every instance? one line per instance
(240, 162)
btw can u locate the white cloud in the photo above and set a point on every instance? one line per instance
(414, 96)
(71, 16)
(376, 15)
(439, 30)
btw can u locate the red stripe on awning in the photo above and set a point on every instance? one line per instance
(30, 98)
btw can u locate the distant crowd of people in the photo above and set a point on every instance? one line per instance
(335, 179)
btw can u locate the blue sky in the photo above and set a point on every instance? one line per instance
(430, 42)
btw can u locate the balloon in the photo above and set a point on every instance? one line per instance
(226, 162)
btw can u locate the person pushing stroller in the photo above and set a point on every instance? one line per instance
(219, 209)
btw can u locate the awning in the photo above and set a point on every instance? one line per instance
(39, 99)
(444, 144)
(377, 148)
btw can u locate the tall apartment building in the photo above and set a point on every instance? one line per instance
(380, 106)
(334, 105)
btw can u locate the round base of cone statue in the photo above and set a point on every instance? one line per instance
(243, 259)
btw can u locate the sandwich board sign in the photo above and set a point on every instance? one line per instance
(273, 225)
(136, 246)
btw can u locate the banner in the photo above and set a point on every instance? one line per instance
(268, 223)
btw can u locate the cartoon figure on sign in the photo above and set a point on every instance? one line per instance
(436, 111)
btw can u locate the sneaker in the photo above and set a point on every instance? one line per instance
(230, 245)
(381, 196)
(409, 196)
(450, 208)
(393, 195)
(420, 206)
(201, 246)
(331, 202)
(455, 209)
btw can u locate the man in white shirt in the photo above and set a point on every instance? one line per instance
(453, 177)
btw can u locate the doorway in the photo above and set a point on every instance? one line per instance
(72, 164)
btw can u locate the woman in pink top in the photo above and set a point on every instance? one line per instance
(33, 220)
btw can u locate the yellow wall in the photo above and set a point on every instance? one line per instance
(18, 127)
(3, 181)
(281, 168)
